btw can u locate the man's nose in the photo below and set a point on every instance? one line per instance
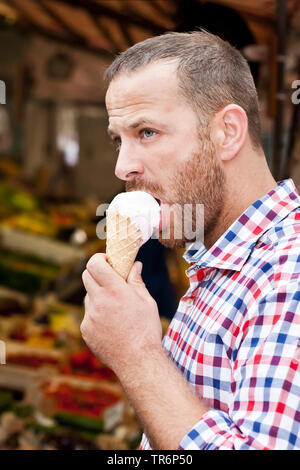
(128, 165)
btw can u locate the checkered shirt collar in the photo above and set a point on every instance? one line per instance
(233, 248)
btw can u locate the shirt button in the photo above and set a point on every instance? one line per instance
(190, 302)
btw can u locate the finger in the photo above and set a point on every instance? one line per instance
(91, 286)
(135, 275)
(86, 301)
(87, 306)
(101, 271)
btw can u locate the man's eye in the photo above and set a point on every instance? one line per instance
(117, 142)
(147, 133)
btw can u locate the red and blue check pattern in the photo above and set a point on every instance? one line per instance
(236, 333)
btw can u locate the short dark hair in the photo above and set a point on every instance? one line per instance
(211, 72)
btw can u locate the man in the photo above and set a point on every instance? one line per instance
(183, 112)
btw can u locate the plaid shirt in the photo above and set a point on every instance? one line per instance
(236, 333)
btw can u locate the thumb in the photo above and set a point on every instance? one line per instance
(135, 275)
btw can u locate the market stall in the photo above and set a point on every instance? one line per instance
(54, 393)
(56, 169)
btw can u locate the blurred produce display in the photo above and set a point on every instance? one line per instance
(54, 393)
(26, 273)
(13, 200)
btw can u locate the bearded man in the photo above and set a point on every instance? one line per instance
(183, 112)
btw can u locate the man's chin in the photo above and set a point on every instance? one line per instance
(172, 243)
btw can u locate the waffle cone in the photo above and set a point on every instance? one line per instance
(123, 241)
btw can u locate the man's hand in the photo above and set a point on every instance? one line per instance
(121, 323)
(122, 327)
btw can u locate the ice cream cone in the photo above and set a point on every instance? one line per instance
(123, 241)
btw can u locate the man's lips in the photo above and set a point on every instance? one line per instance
(160, 214)
(160, 222)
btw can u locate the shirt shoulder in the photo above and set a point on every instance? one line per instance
(283, 241)
(287, 229)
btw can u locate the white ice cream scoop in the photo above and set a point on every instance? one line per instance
(131, 220)
(142, 209)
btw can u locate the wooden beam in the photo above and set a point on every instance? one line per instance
(99, 52)
(262, 9)
(138, 34)
(34, 14)
(57, 18)
(103, 31)
(8, 12)
(126, 34)
(114, 31)
(160, 10)
(146, 11)
(168, 6)
(124, 27)
(273, 46)
(100, 9)
(278, 143)
(80, 23)
(102, 26)
(268, 22)
(29, 25)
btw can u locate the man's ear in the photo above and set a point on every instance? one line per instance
(229, 130)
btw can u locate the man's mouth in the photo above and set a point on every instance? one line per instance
(160, 215)
(159, 201)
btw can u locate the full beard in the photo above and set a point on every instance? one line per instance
(198, 181)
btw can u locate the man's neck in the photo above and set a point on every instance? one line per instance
(236, 200)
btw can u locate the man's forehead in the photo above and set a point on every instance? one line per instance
(151, 82)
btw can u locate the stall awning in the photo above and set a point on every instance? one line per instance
(110, 26)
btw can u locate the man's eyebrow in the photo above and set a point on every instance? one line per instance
(140, 122)
(133, 125)
(110, 132)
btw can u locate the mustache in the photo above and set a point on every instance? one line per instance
(139, 185)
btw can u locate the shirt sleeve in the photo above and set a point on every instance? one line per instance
(265, 409)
